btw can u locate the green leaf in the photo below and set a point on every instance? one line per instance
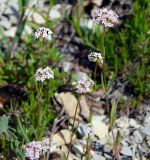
(4, 124)
(113, 114)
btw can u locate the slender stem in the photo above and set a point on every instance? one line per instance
(104, 72)
(73, 126)
(95, 71)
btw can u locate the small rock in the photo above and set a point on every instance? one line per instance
(77, 149)
(85, 109)
(108, 157)
(69, 103)
(13, 19)
(123, 122)
(37, 18)
(67, 66)
(55, 12)
(99, 127)
(134, 124)
(137, 137)
(11, 32)
(27, 30)
(98, 157)
(146, 130)
(126, 151)
(97, 2)
(107, 148)
(5, 23)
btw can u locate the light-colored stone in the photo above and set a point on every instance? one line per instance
(55, 12)
(85, 109)
(122, 122)
(126, 151)
(69, 103)
(5, 23)
(134, 124)
(11, 32)
(37, 18)
(77, 149)
(99, 127)
(97, 2)
(63, 137)
(137, 137)
(98, 157)
(67, 66)
(146, 130)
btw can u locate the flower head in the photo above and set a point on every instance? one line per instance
(43, 74)
(95, 56)
(84, 85)
(107, 17)
(44, 33)
(35, 149)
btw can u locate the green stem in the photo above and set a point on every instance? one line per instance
(95, 71)
(73, 126)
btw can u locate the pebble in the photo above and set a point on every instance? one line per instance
(146, 130)
(11, 32)
(107, 148)
(137, 137)
(98, 157)
(134, 124)
(99, 127)
(77, 149)
(37, 18)
(55, 12)
(5, 23)
(126, 151)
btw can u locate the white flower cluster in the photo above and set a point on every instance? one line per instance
(84, 85)
(107, 17)
(95, 56)
(35, 149)
(43, 74)
(44, 33)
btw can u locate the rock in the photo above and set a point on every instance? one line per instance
(137, 137)
(67, 66)
(122, 122)
(147, 120)
(55, 12)
(27, 30)
(146, 130)
(99, 127)
(63, 137)
(107, 148)
(97, 2)
(85, 109)
(134, 124)
(69, 103)
(5, 23)
(77, 149)
(107, 156)
(13, 19)
(98, 157)
(11, 32)
(37, 18)
(126, 151)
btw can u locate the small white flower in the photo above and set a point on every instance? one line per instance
(84, 85)
(32, 150)
(44, 33)
(107, 17)
(43, 74)
(95, 56)
(35, 149)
